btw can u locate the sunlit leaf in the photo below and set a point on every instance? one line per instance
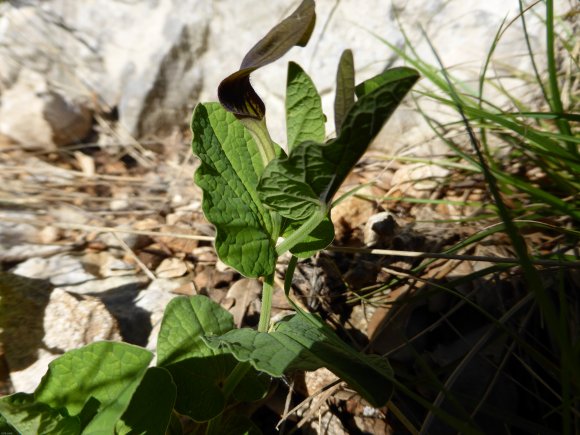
(228, 175)
(100, 377)
(304, 117)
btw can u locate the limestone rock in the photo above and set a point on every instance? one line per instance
(38, 117)
(153, 60)
(138, 57)
(380, 229)
(71, 321)
(348, 216)
(154, 299)
(39, 323)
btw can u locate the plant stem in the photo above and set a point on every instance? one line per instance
(306, 228)
(235, 378)
(555, 101)
(267, 291)
(242, 368)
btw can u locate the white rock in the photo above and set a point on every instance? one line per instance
(26, 251)
(127, 283)
(154, 299)
(39, 323)
(61, 270)
(153, 60)
(380, 228)
(69, 323)
(140, 57)
(37, 117)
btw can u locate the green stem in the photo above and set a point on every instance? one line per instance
(555, 101)
(235, 378)
(242, 368)
(260, 134)
(306, 228)
(267, 291)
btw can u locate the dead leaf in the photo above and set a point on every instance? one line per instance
(244, 292)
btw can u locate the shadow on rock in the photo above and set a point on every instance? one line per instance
(134, 322)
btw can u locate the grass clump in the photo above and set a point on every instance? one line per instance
(512, 350)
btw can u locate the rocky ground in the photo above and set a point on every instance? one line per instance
(110, 235)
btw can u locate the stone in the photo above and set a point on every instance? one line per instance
(154, 299)
(60, 270)
(138, 57)
(153, 60)
(38, 323)
(130, 283)
(91, 273)
(14, 230)
(380, 229)
(71, 321)
(27, 251)
(348, 216)
(38, 117)
(126, 236)
(171, 240)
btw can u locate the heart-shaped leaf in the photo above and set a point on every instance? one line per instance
(198, 370)
(185, 321)
(228, 175)
(304, 342)
(151, 406)
(98, 379)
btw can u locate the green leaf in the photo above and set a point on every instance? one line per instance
(198, 370)
(320, 238)
(388, 78)
(150, 409)
(344, 98)
(103, 373)
(27, 416)
(254, 386)
(235, 92)
(304, 116)
(303, 342)
(298, 185)
(228, 175)
(5, 427)
(199, 385)
(185, 322)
